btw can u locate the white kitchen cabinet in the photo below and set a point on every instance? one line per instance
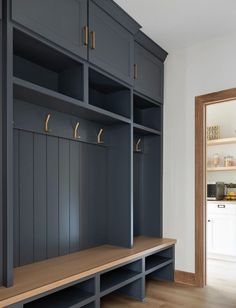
(221, 229)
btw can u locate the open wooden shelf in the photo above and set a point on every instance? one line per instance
(37, 278)
(221, 141)
(232, 168)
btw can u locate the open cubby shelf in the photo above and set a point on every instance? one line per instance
(108, 94)
(116, 277)
(29, 92)
(121, 276)
(146, 113)
(77, 295)
(153, 262)
(159, 260)
(37, 63)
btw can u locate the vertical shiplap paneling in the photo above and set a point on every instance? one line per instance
(26, 197)
(64, 198)
(74, 196)
(137, 193)
(16, 209)
(86, 193)
(40, 198)
(52, 197)
(98, 184)
(93, 195)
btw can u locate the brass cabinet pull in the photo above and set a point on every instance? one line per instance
(86, 35)
(93, 36)
(135, 71)
(46, 129)
(76, 135)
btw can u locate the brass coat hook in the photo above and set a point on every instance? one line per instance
(137, 146)
(99, 136)
(46, 128)
(76, 135)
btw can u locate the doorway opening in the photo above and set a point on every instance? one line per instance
(215, 177)
(221, 192)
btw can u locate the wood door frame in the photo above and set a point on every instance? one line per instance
(201, 103)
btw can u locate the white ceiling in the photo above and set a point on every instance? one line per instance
(182, 23)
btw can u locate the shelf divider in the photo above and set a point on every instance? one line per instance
(144, 130)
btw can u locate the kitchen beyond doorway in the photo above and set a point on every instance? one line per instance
(201, 103)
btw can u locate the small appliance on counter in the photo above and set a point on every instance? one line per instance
(230, 191)
(215, 191)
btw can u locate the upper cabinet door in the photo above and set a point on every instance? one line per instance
(61, 21)
(148, 74)
(111, 45)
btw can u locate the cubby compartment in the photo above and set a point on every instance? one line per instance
(109, 94)
(42, 65)
(135, 290)
(158, 260)
(119, 277)
(147, 113)
(164, 273)
(77, 295)
(147, 187)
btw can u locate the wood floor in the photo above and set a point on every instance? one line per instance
(220, 292)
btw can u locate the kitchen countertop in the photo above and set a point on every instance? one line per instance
(221, 201)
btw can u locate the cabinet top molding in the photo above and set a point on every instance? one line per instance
(143, 40)
(116, 12)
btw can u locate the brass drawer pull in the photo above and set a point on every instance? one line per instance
(86, 35)
(93, 35)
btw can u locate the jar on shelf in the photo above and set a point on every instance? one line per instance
(216, 160)
(228, 161)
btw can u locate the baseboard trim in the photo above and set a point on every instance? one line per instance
(185, 278)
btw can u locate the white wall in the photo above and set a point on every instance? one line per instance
(201, 69)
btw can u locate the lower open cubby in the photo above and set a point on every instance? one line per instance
(77, 295)
(158, 260)
(120, 276)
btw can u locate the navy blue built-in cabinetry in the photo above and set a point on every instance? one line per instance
(148, 68)
(81, 146)
(60, 21)
(112, 44)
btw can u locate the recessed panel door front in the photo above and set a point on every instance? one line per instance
(61, 21)
(111, 45)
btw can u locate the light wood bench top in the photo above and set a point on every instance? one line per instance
(31, 280)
